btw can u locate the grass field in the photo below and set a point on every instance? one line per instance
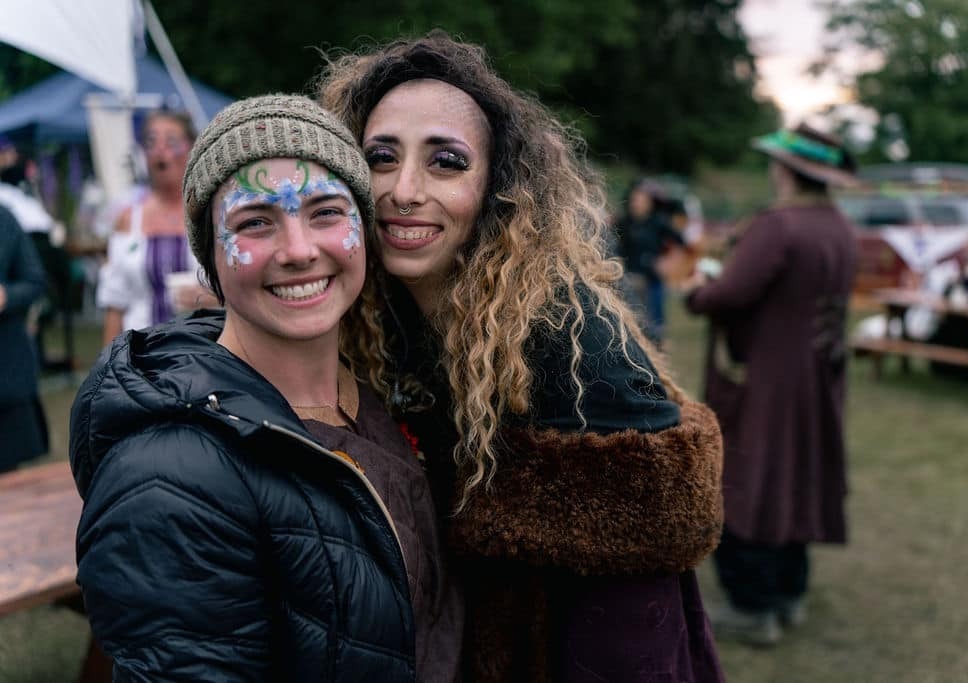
(891, 606)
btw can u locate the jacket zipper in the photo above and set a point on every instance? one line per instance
(214, 404)
(356, 472)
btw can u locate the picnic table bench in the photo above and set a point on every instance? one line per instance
(896, 303)
(39, 511)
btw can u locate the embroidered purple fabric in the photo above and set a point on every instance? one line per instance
(163, 254)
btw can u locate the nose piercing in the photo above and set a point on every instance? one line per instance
(404, 210)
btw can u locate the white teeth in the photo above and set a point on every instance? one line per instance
(402, 234)
(296, 292)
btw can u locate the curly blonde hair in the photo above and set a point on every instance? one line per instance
(539, 240)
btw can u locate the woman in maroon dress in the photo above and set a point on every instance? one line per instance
(776, 381)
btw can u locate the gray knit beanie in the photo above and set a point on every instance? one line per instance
(268, 127)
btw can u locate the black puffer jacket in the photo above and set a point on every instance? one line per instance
(218, 542)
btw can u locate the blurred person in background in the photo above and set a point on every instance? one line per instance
(644, 233)
(149, 241)
(251, 512)
(776, 379)
(18, 183)
(23, 429)
(580, 486)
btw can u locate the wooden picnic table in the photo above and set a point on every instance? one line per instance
(897, 302)
(39, 510)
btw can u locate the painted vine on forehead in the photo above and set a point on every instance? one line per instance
(251, 186)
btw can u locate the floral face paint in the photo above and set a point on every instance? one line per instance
(291, 235)
(254, 186)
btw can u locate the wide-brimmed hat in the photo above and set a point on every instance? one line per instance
(818, 156)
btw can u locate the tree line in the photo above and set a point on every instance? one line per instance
(660, 85)
(656, 84)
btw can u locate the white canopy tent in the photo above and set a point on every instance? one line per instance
(95, 39)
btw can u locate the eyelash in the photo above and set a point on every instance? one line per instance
(323, 212)
(451, 160)
(327, 212)
(445, 159)
(251, 223)
(379, 155)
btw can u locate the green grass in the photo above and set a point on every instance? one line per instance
(889, 606)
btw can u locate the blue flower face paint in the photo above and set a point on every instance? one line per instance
(291, 249)
(254, 186)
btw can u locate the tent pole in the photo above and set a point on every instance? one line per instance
(174, 67)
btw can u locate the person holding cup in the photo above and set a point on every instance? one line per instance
(149, 239)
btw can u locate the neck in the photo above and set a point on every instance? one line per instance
(168, 193)
(425, 293)
(304, 372)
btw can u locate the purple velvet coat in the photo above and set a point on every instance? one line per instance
(776, 373)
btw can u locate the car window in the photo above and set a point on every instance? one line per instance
(874, 211)
(885, 212)
(942, 214)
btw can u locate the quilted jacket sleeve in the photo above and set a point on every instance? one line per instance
(168, 561)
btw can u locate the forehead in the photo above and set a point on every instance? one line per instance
(427, 105)
(270, 173)
(164, 126)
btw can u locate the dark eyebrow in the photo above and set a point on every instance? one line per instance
(257, 206)
(391, 139)
(433, 140)
(440, 140)
(319, 198)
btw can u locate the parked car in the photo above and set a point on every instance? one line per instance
(908, 216)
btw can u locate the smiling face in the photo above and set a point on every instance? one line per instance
(288, 251)
(167, 145)
(427, 144)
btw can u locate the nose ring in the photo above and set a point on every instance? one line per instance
(405, 210)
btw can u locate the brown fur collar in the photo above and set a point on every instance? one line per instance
(622, 503)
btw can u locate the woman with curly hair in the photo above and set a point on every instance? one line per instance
(583, 484)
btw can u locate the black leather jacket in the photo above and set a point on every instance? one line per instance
(218, 541)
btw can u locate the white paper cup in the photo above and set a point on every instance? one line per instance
(175, 283)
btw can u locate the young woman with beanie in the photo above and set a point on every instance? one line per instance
(251, 513)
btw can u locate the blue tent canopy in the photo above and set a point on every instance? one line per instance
(53, 110)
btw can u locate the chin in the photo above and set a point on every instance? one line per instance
(405, 269)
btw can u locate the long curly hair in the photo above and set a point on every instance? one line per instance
(539, 240)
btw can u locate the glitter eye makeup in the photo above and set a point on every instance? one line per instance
(447, 159)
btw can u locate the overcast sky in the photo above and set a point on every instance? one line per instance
(785, 36)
